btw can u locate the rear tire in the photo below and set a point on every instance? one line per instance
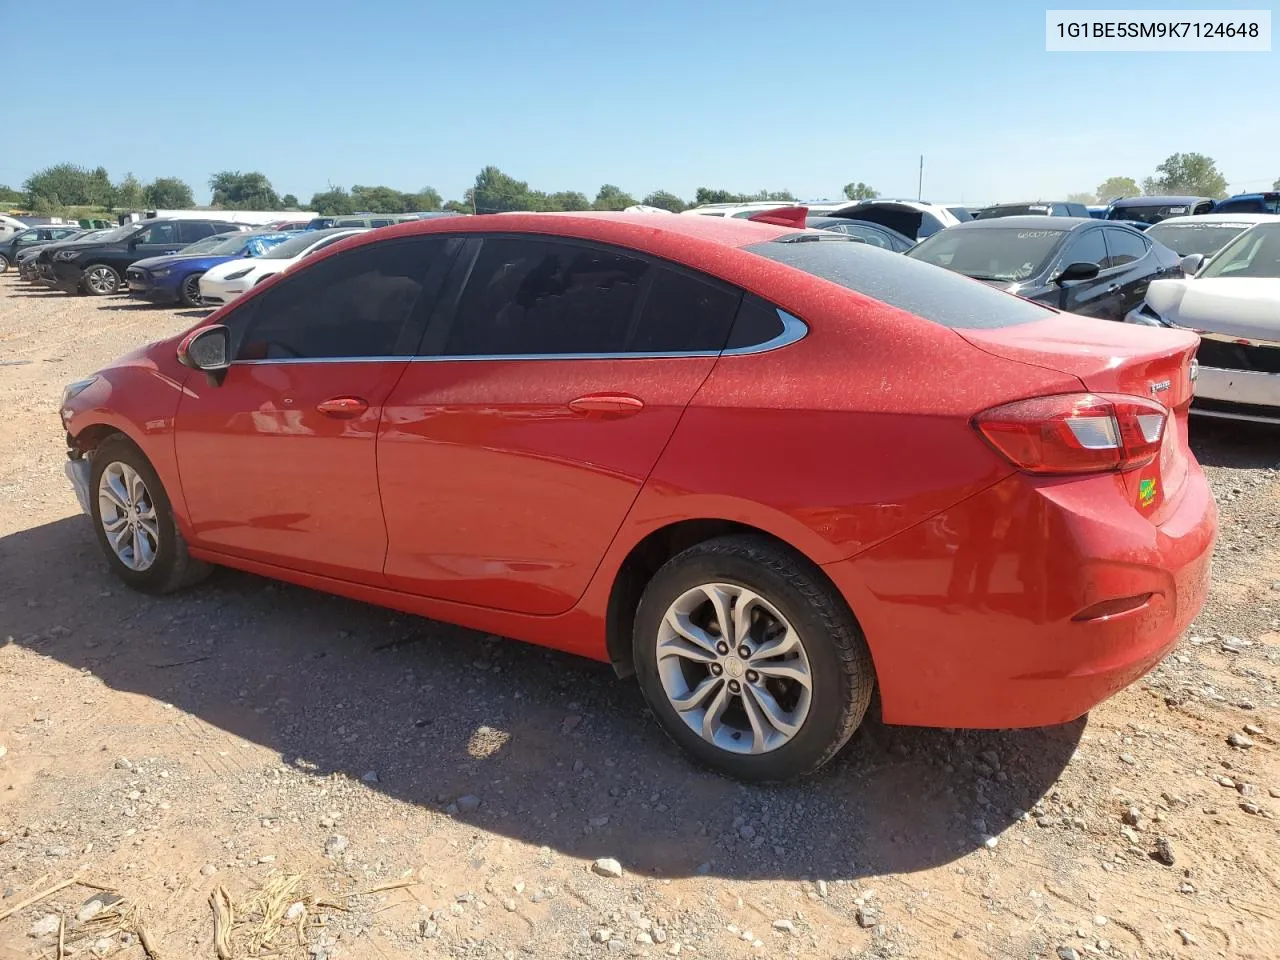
(100, 280)
(778, 698)
(134, 522)
(189, 291)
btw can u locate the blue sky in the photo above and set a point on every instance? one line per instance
(663, 94)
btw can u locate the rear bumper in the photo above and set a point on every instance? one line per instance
(980, 617)
(1238, 394)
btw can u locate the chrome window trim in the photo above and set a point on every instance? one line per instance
(793, 330)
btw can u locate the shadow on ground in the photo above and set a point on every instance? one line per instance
(338, 686)
(1235, 444)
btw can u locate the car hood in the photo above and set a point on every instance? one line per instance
(198, 260)
(1246, 307)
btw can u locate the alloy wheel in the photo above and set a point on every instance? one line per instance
(128, 516)
(191, 290)
(100, 280)
(734, 668)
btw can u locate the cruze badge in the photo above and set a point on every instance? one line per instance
(1160, 387)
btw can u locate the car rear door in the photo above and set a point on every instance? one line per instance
(548, 385)
(1130, 265)
(1099, 297)
(278, 461)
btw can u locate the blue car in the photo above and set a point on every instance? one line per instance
(177, 277)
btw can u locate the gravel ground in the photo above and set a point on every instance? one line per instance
(247, 733)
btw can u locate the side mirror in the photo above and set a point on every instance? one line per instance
(1076, 271)
(208, 349)
(1192, 263)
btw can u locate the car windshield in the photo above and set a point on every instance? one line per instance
(297, 245)
(938, 295)
(1205, 239)
(219, 244)
(1015, 210)
(1148, 213)
(1255, 253)
(990, 253)
(119, 233)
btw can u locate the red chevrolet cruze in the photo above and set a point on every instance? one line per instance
(763, 469)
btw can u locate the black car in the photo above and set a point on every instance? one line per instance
(1077, 264)
(884, 237)
(23, 239)
(1038, 208)
(1156, 208)
(96, 266)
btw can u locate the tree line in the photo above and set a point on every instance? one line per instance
(64, 185)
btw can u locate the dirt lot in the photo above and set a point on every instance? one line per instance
(248, 735)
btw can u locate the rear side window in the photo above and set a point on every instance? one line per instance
(757, 323)
(1123, 247)
(1241, 206)
(530, 297)
(933, 293)
(191, 230)
(159, 233)
(683, 314)
(354, 305)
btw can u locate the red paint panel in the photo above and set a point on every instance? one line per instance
(498, 493)
(269, 476)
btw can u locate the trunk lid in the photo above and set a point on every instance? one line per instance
(1110, 357)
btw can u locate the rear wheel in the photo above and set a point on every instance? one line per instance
(99, 280)
(134, 521)
(189, 292)
(750, 659)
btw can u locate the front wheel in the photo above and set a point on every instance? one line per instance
(4, 263)
(99, 280)
(189, 292)
(750, 659)
(134, 521)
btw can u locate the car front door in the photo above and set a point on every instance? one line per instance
(278, 461)
(549, 383)
(157, 240)
(1132, 267)
(1098, 297)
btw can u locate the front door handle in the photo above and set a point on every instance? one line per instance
(343, 408)
(1114, 288)
(607, 405)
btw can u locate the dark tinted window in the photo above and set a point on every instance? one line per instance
(352, 305)
(866, 234)
(683, 314)
(757, 322)
(1086, 248)
(159, 233)
(920, 288)
(191, 230)
(1123, 247)
(544, 297)
(1241, 206)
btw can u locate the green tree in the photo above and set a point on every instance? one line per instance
(233, 190)
(707, 195)
(100, 190)
(496, 192)
(1115, 187)
(566, 200)
(610, 197)
(63, 184)
(1187, 173)
(289, 202)
(1082, 197)
(334, 202)
(169, 193)
(1274, 186)
(860, 191)
(378, 199)
(10, 197)
(129, 193)
(457, 206)
(425, 200)
(782, 196)
(665, 201)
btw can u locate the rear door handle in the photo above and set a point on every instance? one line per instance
(607, 405)
(343, 408)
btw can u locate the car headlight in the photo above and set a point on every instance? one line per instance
(162, 272)
(72, 390)
(238, 274)
(66, 254)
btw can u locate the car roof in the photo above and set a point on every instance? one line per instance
(1249, 218)
(1260, 195)
(1036, 222)
(605, 226)
(1155, 201)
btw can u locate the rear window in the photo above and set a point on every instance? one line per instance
(933, 293)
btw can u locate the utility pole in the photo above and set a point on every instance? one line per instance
(920, 180)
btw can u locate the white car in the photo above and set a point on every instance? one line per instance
(1234, 304)
(230, 280)
(914, 219)
(1204, 234)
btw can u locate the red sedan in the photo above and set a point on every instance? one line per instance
(765, 470)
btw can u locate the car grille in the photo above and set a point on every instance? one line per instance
(1238, 356)
(133, 273)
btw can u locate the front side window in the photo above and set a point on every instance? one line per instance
(159, 233)
(529, 297)
(1086, 248)
(350, 306)
(1123, 247)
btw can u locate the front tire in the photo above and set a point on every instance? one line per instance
(189, 292)
(750, 659)
(134, 521)
(100, 280)
(4, 263)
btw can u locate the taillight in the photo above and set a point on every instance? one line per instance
(1076, 432)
